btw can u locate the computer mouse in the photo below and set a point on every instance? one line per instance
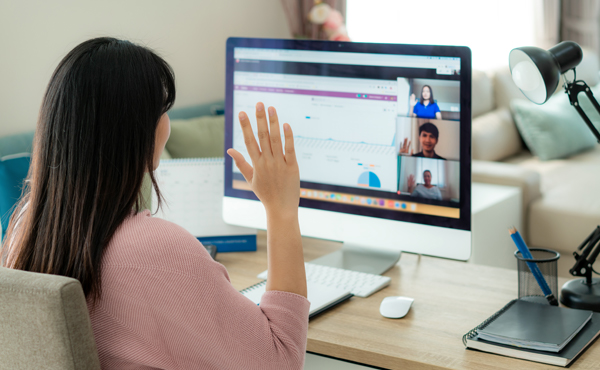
(395, 307)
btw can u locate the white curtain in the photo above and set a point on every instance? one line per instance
(547, 23)
(436, 167)
(580, 23)
(574, 20)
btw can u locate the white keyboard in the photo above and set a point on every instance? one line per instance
(360, 284)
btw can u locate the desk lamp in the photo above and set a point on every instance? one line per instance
(536, 73)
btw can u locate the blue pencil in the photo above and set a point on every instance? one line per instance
(533, 267)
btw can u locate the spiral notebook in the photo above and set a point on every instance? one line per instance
(193, 190)
(321, 297)
(522, 329)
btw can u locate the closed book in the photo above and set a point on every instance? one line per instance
(233, 243)
(571, 329)
(321, 297)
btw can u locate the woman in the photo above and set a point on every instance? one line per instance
(426, 190)
(156, 298)
(426, 107)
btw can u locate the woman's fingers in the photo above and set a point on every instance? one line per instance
(251, 144)
(241, 163)
(290, 151)
(263, 129)
(275, 134)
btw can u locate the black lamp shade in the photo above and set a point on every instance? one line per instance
(537, 71)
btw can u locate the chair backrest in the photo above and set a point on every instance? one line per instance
(44, 323)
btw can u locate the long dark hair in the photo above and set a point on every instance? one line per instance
(93, 145)
(431, 100)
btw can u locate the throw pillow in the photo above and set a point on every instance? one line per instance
(13, 171)
(555, 129)
(197, 137)
(16, 143)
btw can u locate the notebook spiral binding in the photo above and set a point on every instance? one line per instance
(473, 332)
(253, 287)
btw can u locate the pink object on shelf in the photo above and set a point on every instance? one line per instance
(330, 20)
(334, 21)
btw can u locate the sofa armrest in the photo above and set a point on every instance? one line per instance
(508, 174)
(500, 173)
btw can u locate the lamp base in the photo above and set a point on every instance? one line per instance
(577, 294)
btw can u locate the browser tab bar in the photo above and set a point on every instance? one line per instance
(446, 65)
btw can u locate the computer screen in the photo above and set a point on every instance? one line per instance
(381, 131)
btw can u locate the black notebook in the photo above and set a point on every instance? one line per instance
(521, 326)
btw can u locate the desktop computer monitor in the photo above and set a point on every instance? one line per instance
(382, 135)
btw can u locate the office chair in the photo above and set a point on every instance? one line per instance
(44, 323)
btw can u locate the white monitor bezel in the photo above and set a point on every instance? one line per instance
(365, 231)
(422, 238)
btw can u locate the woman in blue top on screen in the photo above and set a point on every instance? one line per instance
(426, 107)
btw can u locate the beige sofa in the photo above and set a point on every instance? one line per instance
(561, 197)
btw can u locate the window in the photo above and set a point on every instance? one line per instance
(491, 28)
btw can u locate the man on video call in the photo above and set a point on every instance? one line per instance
(428, 137)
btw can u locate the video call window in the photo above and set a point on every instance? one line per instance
(421, 137)
(428, 178)
(429, 98)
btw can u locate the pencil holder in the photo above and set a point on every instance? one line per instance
(546, 261)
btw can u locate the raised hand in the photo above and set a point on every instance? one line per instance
(273, 175)
(413, 100)
(411, 183)
(405, 147)
(275, 179)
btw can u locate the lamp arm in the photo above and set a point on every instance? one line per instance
(583, 264)
(591, 260)
(594, 253)
(573, 89)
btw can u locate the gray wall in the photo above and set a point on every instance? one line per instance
(189, 34)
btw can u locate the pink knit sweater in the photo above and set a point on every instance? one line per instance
(167, 305)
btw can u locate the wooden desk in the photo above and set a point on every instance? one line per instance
(451, 298)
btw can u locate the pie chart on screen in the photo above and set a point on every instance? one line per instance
(369, 179)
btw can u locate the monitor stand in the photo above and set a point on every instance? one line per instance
(358, 258)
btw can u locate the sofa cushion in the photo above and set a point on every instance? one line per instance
(505, 90)
(588, 69)
(17, 143)
(198, 110)
(555, 129)
(165, 154)
(482, 94)
(13, 171)
(495, 136)
(197, 137)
